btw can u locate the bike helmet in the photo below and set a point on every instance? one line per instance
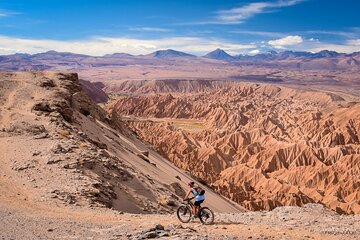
(191, 183)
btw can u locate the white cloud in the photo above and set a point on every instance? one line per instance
(286, 41)
(98, 46)
(149, 29)
(315, 45)
(254, 52)
(355, 42)
(239, 14)
(349, 34)
(6, 13)
(259, 33)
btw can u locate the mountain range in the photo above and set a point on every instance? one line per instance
(329, 60)
(218, 54)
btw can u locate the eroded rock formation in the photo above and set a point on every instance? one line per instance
(261, 145)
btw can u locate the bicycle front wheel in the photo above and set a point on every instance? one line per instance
(206, 216)
(184, 214)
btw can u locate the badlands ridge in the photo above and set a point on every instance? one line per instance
(262, 146)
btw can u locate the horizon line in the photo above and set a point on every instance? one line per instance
(171, 49)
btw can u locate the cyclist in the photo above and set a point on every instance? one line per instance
(199, 196)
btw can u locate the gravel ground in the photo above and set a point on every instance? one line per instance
(309, 222)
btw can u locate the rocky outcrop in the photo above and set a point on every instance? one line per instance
(94, 90)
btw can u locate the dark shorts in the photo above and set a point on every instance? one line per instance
(197, 203)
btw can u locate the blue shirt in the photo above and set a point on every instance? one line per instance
(197, 196)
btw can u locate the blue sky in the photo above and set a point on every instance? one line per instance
(197, 26)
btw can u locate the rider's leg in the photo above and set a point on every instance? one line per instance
(196, 207)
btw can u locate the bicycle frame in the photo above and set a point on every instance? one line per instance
(190, 203)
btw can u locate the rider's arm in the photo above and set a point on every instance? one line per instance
(187, 194)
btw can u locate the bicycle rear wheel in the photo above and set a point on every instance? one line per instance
(206, 216)
(184, 214)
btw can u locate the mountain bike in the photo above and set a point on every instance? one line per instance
(185, 213)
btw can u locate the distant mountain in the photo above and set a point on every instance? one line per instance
(325, 60)
(118, 55)
(291, 55)
(219, 54)
(54, 54)
(326, 53)
(355, 54)
(273, 55)
(169, 53)
(21, 55)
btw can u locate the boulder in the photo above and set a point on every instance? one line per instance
(42, 107)
(166, 201)
(46, 82)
